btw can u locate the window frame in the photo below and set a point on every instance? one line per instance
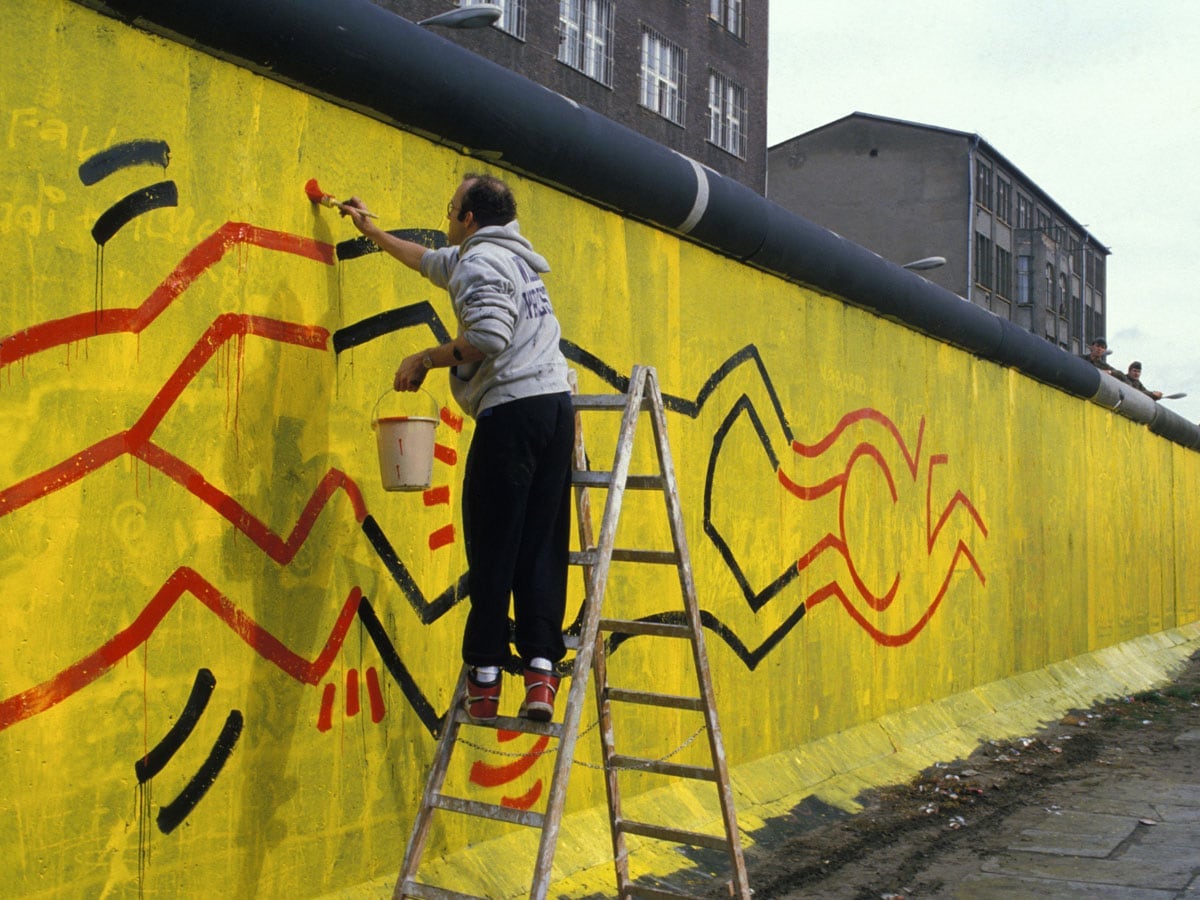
(726, 117)
(585, 44)
(654, 84)
(730, 15)
(512, 16)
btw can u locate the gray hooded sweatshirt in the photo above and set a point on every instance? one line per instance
(502, 307)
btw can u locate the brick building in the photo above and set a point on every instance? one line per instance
(690, 74)
(910, 191)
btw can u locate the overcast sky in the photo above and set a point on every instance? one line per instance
(1097, 101)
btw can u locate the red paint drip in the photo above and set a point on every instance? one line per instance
(454, 421)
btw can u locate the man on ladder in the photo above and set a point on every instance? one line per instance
(507, 373)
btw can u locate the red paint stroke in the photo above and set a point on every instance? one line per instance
(56, 332)
(838, 542)
(526, 800)
(445, 454)
(223, 328)
(325, 716)
(375, 695)
(452, 419)
(487, 775)
(441, 537)
(183, 580)
(352, 698)
(437, 496)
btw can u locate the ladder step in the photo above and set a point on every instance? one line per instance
(660, 767)
(654, 557)
(676, 835)
(598, 478)
(620, 695)
(658, 629)
(489, 811)
(410, 888)
(513, 723)
(650, 893)
(605, 401)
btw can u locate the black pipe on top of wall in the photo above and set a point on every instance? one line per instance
(361, 56)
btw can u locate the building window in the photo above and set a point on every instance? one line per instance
(1024, 280)
(1024, 212)
(983, 184)
(585, 37)
(1077, 317)
(1043, 222)
(512, 17)
(726, 114)
(1003, 200)
(662, 76)
(1063, 293)
(1050, 304)
(983, 260)
(1003, 273)
(729, 15)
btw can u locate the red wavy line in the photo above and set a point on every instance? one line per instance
(183, 580)
(203, 256)
(864, 415)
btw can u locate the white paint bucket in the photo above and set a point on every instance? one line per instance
(405, 446)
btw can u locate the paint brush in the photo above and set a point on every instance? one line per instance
(316, 195)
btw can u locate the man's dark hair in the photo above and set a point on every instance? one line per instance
(489, 199)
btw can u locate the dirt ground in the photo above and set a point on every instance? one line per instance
(912, 840)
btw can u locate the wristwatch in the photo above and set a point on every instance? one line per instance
(427, 361)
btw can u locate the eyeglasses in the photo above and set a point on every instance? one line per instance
(450, 210)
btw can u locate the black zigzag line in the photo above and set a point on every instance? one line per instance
(426, 611)
(361, 246)
(391, 660)
(756, 600)
(391, 320)
(178, 809)
(152, 763)
(709, 621)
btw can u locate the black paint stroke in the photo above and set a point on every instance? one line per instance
(152, 763)
(423, 314)
(392, 662)
(386, 322)
(100, 165)
(427, 611)
(361, 246)
(124, 210)
(171, 815)
(756, 599)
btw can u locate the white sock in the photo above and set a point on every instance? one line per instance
(485, 674)
(540, 662)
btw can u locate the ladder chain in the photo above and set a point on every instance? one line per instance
(491, 751)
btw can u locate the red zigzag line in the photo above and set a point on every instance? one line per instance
(203, 256)
(134, 439)
(183, 580)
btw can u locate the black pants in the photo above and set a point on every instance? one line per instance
(517, 524)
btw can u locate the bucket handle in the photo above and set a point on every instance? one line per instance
(375, 409)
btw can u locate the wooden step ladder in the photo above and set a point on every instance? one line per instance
(595, 556)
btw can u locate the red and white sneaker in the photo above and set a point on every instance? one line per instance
(541, 685)
(482, 702)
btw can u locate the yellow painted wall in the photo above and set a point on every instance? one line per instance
(189, 488)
